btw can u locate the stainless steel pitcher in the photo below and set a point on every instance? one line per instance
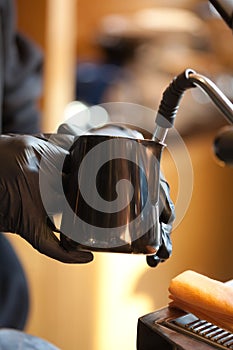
(113, 195)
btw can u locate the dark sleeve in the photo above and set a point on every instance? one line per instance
(22, 66)
(14, 296)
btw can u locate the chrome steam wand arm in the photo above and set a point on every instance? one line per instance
(216, 95)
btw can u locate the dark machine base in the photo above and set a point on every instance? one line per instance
(158, 330)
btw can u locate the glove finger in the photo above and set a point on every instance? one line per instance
(165, 249)
(51, 172)
(69, 129)
(61, 140)
(50, 245)
(167, 209)
(152, 260)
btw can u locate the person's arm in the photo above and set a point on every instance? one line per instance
(22, 76)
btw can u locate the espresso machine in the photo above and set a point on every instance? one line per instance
(173, 329)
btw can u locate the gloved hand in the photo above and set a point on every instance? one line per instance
(166, 219)
(166, 205)
(21, 207)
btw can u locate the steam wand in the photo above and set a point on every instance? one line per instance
(172, 95)
(168, 109)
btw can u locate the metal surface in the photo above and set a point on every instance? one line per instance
(202, 330)
(113, 195)
(225, 9)
(160, 134)
(216, 95)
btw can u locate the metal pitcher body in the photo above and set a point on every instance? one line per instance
(113, 195)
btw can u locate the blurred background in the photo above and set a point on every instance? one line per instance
(118, 51)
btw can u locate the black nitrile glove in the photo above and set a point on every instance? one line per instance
(166, 219)
(21, 206)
